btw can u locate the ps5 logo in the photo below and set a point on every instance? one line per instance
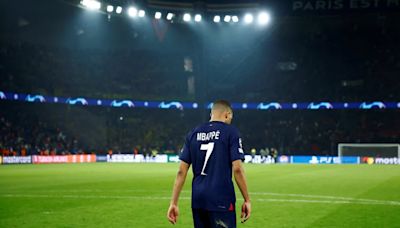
(322, 105)
(376, 104)
(173, 104)
(272, 105)
(126, 103)
(34, 98)
(81, 101)
(2, 96)
(314, 160)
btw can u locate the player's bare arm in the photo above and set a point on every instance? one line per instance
(240, 179)
(173, 210)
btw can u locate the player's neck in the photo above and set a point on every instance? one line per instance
(217, 120)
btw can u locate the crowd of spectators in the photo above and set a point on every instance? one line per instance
(31, 129)
(144, 131)
(317, 133)
(28, 136)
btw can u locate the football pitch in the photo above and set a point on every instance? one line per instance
(137, 195)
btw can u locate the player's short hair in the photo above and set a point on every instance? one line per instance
(221, 105)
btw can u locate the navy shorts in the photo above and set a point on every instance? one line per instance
(210, 219)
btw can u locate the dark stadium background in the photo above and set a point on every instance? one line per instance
(56, 48)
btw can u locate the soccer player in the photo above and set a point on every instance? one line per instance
(214, 150)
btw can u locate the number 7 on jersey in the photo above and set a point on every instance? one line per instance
(209, 147)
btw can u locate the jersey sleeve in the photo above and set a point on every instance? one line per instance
(235, 146)
(185, 152)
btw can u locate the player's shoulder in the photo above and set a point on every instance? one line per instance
(233, 130)
(229, 129)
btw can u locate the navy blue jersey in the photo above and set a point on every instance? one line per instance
(211, 148)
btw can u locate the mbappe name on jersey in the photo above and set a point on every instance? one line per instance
(202, 136)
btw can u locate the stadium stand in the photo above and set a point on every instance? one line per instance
(297, 63)
(85, 130)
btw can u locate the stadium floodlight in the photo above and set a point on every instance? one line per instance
(118, 10)
(110, 8)
(187, 17)
(235, 19)
(141, 13)
(197, 18)
(227, 18)
(157, 15)
(91, 4)
(170, 16)
(217, 18)
(264, 18)
(132, 12)
(248, 18)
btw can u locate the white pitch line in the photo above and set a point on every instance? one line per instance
(393, 203)
(88, 196)
(388, 203)
(251, 193)
(324, 197)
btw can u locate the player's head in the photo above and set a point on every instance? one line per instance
(222, 111)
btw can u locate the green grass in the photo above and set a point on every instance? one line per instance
(137, 195)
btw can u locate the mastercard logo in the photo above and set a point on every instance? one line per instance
(368, 160)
